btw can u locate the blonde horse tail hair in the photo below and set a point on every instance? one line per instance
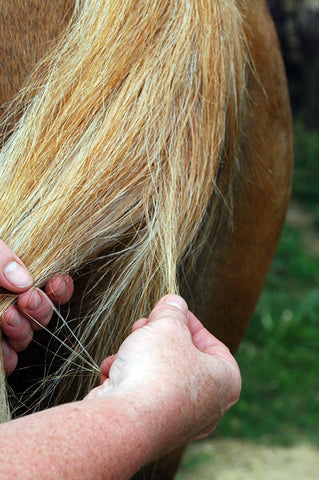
(116, 152)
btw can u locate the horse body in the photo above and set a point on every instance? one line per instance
(226, 281)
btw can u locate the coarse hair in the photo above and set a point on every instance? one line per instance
(117, 151)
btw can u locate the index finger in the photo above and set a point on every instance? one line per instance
(14, 275)
(206, 342)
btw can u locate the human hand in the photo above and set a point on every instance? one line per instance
(173, 368)
(33, 309)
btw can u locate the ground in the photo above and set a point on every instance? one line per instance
(225, 459)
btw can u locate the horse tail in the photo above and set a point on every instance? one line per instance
(118, 151)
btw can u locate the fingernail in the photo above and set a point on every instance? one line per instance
(15, 319)
(17, 275)
(34, 301)
(177, 302)
(60, 289)
(5, 350)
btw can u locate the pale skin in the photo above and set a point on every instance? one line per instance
(170, 383)
(16, 324)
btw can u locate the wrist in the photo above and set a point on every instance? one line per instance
(149, 421)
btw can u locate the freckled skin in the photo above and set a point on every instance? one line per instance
(160, 367)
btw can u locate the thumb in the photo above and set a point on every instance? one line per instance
(99, 392)
(172, 306)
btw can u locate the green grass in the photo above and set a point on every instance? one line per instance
(279, 357)
(306, 176)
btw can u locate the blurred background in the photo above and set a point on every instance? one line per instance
(273, 432)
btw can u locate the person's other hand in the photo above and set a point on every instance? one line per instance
(33, 309)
